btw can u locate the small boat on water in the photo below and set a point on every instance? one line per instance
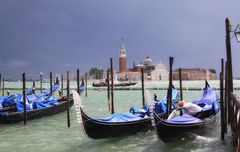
(116, 84)
(115, 125)
(182, 127)
(38, 105)
(28, 92)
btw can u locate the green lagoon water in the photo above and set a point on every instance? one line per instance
(51, 134)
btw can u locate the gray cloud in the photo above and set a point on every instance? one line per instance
(62, 35)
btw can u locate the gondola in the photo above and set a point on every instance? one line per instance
(187, 126)
(8, 103)
(12, 117)
(38, 105)
(116, 125)
(28, 91)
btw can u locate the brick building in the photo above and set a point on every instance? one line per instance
(195, 74)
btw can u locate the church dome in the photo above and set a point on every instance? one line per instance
(148, 61)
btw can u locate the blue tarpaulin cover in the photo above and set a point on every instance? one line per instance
(20, 107)
(120, 117)
(143, 112)
(42, 100)
(82, 86)
(161, 106)
(30, 91)
(1, 100)
(185, 118)
(46, 103)
(208, 101)
(47, 92)
(208, 97)
(31, 104)
(11, 100)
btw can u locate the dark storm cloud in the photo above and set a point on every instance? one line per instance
(62, 35)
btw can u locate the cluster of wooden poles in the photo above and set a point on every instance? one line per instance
(41, 89)
(111, 86)
(68, 91)
(110, 73)
(230, 102)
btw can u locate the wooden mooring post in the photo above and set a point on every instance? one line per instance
(169, 93)
(112, 86)
(180, 81)
(68, 98)
(41, 78)
(24, 98)
(78, 84)
(222, 100)
(235, 122)
(226, 108)
(108, 90)
(86, 88)
(51, 83)
(61, 85)
(229, 56)
(142, 78)
(229, 70)
(3, 86)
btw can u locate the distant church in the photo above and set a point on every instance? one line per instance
(156, 72)
(151, 71)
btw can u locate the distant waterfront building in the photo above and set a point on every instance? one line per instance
(160, 72)
(129, 76)
(195, 74)
(151, 71)
(156, 72)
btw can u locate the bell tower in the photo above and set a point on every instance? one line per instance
(122, 57)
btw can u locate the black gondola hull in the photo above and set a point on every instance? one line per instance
(98, 129)
(169, 132)
(13, 117)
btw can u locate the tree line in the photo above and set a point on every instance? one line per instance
(96, 73)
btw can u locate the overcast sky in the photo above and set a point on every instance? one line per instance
(63, 35)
